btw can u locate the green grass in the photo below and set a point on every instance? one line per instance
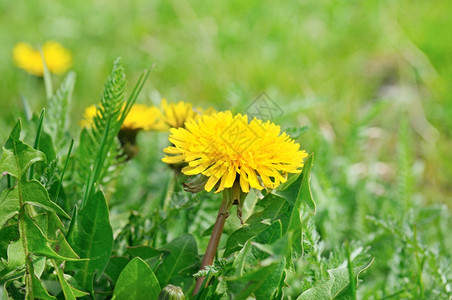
(369, 79)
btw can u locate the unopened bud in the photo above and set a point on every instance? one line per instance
(171, 292)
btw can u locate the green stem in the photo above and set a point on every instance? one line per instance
(212, 247)
(62, 174)
(47, 77)
(418, 265)
(170, 191)
(28, 266)
(350, 273)
(23, 233)
(36, 143)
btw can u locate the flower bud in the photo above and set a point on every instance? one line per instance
(171, 292)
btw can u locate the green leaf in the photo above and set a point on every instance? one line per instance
(183, 253)
(240, 260)
(242, 287)
(70, 293)
(297, 189)
(261, 245)
(32, 192)
(37, 140)
(137, 281)
(37, 242)
(271, 234)
(58, 110)
(17, 156)
(9, 205)
(115, 265)
(144, 252)
(273, 206)
(16, 257)
(271, 284)
(91, 236)
(64, 248)
(260, 274)
(239, 237)
(78, 293)
(8, 233)
(39, 292)
(46, 146)
(337, 286)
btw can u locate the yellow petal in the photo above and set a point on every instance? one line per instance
(173, 159)
(211, 183)
(244, 183)
(230, 177)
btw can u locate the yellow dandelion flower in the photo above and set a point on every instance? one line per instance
(176, 114)
(140, 117)
(57, 58)
(28, 59)
(88, 116)
(144, 117)
(228, 149)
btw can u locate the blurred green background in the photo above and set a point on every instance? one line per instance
(352, 71)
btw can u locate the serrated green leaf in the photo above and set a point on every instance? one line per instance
(239, 237)
(78, 293)
(273, 207)
(240, 260)
(39, 264)
(270, 234)
(17, 156)
(34, 193)
(37, 242)
(58, 110)
(137, 281)
(9, 205)
(8, 233)
(337, 286)
(91, 236)
(39, 291)
(16, 256)
(242, 287)
(64, 248)
(297, 189)
(271, 284)
(183, 253)
(70, 293)
(261, 266)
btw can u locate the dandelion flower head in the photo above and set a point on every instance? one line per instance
(139, 117)
(176, 114)
(227, 148)
(58, 59)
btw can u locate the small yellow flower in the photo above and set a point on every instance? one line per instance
(140, 117)
(88, 116)
(144, 117)
(176, 114)
(57, 58)
(228, 149)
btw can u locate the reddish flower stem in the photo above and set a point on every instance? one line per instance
(212, 247)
